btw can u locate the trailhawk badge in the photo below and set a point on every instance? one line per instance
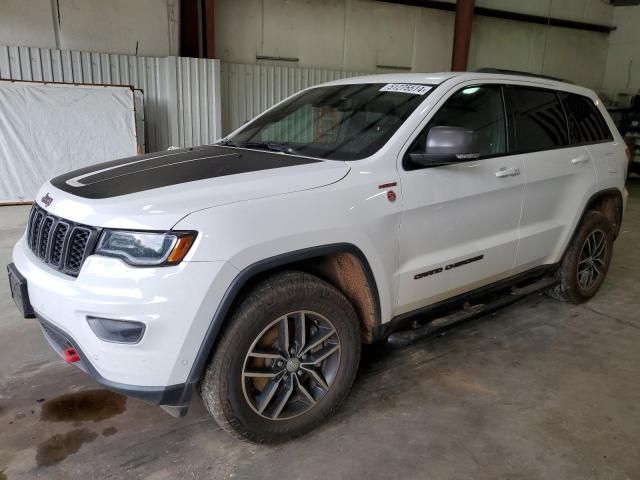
(47, 199)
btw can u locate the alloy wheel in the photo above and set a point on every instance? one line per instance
(591, 263)
(291, 365)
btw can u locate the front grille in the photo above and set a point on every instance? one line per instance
(59, 236)
(61, 244)
(44, 236)
(77, 248)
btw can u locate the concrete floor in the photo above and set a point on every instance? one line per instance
(538, 390)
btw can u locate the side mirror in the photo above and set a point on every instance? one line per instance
(446, 145)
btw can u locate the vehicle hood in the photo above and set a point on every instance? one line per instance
(155, 191)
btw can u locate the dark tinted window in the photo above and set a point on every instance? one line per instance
(479, 109)
(586, 124)
(540, 120)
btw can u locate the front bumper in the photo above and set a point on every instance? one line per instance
(174, 395)
(176, 304)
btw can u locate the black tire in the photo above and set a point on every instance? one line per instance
(573, 286)
(229, 395)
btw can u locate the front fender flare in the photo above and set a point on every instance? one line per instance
(249, 272)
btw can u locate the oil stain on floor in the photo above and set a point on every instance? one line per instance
(88, 405)
(59, 447)
(107, 432)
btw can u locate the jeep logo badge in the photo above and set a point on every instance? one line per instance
(47, 199)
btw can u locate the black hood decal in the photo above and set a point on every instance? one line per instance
(162, 169)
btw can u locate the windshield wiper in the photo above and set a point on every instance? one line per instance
(227, 143)
(272, 146)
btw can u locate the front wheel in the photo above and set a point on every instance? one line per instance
(286, 361)
(586, 261)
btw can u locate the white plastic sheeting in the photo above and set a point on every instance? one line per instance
(49, 129)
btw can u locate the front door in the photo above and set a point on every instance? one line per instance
(459, 227)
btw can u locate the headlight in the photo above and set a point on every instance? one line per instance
(145, 248)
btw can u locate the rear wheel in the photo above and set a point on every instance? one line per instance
(286, 361)
(586, 262)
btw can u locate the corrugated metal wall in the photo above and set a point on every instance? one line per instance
(248, 90)
(181, 95)
(199, 101)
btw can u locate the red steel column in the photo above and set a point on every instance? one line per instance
(189, 44)
(462, 35)
(197, 37)
(208, 29)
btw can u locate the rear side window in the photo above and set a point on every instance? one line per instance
(540, 119)
(586, 124)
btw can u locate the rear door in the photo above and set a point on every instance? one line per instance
(459, 227)
(558, 174)
(587, 127)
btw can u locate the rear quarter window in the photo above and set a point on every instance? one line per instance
(585, 121)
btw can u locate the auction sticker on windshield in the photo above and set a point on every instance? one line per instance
(406, 88)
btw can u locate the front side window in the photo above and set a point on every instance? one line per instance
(478, 109)
(540, 119)
(586, 124)
(341, 122)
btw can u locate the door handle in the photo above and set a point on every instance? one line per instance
(580, 159)
(507, 172)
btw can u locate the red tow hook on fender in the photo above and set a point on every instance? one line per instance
(70, 355)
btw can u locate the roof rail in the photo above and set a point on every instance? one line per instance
(523, 74)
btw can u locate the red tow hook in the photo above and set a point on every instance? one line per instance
(70, 355)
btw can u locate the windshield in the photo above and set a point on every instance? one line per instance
(341, 122)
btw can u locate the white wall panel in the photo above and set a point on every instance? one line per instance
(360, 45)
(379, 34)
(322, 33)
(576, 55)
(531, 7)
(280, 28)
(181, 95)
(118, 26)
(510, 45)
(622, 74)
(394, 34)
(143, 27)
(433, 41)
(26, 22)
(591, 11)
(238, 29)
(361, 35)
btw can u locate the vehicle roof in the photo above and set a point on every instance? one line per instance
(440, 77)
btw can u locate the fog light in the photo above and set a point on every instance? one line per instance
(116, 331)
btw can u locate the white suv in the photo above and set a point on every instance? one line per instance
(254, 268)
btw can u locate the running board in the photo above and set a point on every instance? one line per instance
(406, 337)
